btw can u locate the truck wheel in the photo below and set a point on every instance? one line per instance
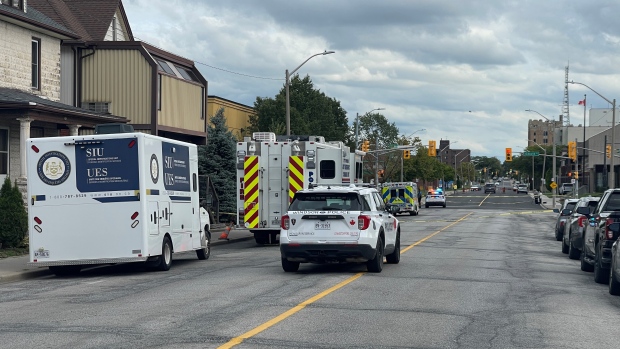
(564, 247)
(261, 238)
(288, 266)
(204, 253)
(600, 274)
(614, 285)
(394, 257)
(573, 253)
(584, 265)
(375, 265)
(65, 270)
(165, 260)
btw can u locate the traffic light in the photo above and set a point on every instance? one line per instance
(432, 148)
(576, 174)
(570, 174)
(608, 151)
(508, 154)
(572, 150)
(406, 154)
(366, 146)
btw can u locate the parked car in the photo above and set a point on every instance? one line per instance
(489, 188)
(573, 230)
(339, 224)
(475, 188)
(566, 188)
(564, 215)
(614, 271)
(522, 188)
(598, 238)
(514, 188)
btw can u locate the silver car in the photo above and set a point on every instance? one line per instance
(564, 214)
(572, 240)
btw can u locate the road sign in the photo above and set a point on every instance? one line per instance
(553, 185)
(531, 153)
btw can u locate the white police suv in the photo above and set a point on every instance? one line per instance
(338, 224)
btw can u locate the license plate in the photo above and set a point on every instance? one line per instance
(322, 226)
(42, 254)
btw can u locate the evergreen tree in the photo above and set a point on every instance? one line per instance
(217, 160)
(13, 216)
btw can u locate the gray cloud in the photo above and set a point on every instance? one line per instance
(429, 63)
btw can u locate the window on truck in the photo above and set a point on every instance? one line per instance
(328, 169)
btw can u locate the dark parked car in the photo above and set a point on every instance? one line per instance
(598, 238)
(564, 215)
(614, 274)
(573, 230)
(489, 188)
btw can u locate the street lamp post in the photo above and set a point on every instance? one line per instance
(612, 175)
(401, 155)
(287, 83)
(544, 161)
(357, 123)
(553, 190)
(455, 156)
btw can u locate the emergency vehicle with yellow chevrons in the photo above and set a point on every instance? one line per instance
(271, 169)
(403, 195)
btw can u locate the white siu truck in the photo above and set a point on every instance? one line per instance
(113, 198)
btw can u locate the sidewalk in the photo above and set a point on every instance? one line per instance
(547, 202)
(16, 268)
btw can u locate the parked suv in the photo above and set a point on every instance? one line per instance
(337, 224)
(564, 215)
(522, 188)
(575, 224)
(566, 188)
(598, 238)
(489, 188)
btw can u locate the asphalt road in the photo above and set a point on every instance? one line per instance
(470, 276)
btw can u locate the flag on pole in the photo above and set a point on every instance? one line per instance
(582, 102)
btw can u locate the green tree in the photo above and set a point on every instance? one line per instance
(13, 216)
(311, 111)
(217, 161)
(382, 136)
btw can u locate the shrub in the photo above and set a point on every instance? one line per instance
(13, 216)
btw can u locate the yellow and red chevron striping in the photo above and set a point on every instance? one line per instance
(250, 191)
(295, 175)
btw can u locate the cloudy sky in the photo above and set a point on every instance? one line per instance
(464, 70)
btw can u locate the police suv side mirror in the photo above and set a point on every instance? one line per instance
(555, 210)
(566, 212)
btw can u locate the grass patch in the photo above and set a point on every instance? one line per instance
(13, 252)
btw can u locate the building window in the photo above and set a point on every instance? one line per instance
(186, 74)
(36, 64)
(97, 107)
(36, 132)
(165, 67)
(4, 151)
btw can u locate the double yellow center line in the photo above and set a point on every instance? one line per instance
(256, 330)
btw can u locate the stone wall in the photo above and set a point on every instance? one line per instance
(16, 63)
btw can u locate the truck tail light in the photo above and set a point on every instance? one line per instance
(608, 233)
(581, 221)
(363, 222)
(285, 223)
